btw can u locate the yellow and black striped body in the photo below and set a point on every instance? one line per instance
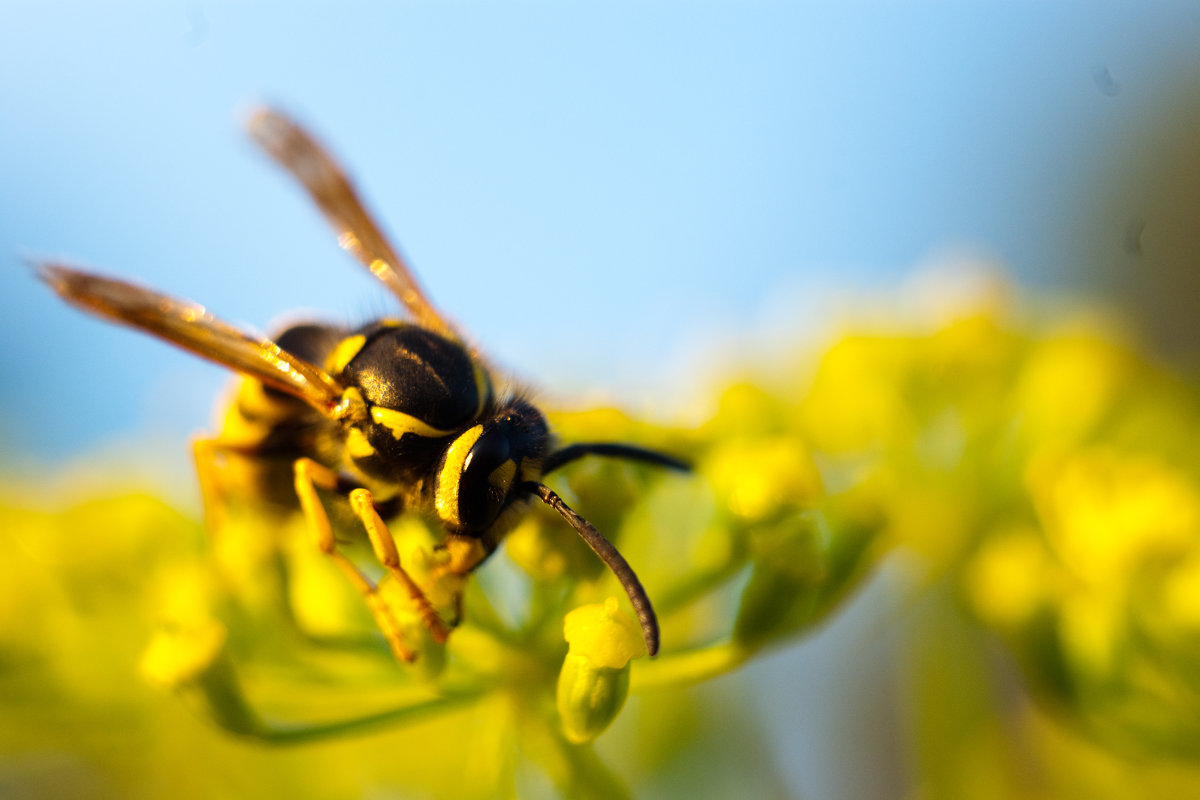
(430, 435)
(264, 430)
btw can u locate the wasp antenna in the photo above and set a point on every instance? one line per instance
(629, 452)
(610, 556)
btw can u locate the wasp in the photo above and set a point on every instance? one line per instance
(400, 415)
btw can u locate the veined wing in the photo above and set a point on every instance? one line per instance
(191, 327)
(297, 151)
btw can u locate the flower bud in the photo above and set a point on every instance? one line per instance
(594, 680)
(192, 661)
(179, 655)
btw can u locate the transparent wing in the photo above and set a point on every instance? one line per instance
(297, 152)
(191, 327)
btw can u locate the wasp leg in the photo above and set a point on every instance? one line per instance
(385, 550)
(309, 475)
(216, 513)
(212, 495)
(574, 452)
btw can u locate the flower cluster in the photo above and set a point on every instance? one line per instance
(1044, 482)
(1041, 483)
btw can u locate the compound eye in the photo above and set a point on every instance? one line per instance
(487, 475)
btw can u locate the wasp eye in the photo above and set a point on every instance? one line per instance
(488, 452)
(486, 478)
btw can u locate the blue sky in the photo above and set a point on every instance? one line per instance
(588, 188)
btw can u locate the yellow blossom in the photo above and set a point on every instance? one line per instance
(1107, 513)
(1010, 578)
(594, 679)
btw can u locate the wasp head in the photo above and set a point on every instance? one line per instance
(484, 470)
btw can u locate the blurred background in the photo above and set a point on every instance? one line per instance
(617, 200)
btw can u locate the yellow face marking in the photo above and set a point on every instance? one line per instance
(357, 445)
(400, 423)
(446, 497)
(346, 350)
(502, 476)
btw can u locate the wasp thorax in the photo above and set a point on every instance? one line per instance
(418, 372)
(420, 390)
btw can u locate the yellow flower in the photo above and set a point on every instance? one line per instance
(192, 661)
(1181, 595)
(758, 478)
(853, 404)
(594, 681)
(1010, 578)
(181, 655)
(1107, 514)
(1068, 383)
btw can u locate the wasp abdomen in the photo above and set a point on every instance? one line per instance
(264, 430)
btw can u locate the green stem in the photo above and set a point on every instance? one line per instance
(289, 734)
(691, 666)
(216, 692)
(575, 770)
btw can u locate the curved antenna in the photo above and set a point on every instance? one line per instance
(630, 452)
(611, 557)
(294, 149)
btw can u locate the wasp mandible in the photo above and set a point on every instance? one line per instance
(399, 415)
